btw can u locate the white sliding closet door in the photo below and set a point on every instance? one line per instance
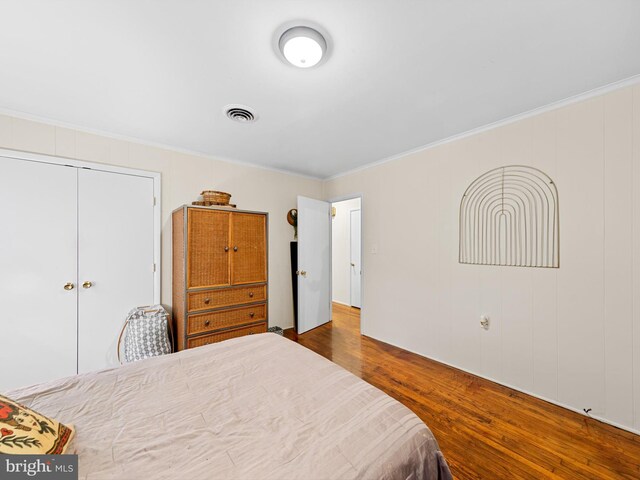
(116, 254)
(37, 258)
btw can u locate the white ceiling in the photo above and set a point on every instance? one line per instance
(401, 73)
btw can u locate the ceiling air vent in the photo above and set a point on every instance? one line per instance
(240, 113)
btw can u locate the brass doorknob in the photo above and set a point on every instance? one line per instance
(87, 284)
(69, 286)
(353, 264)
(303, 273)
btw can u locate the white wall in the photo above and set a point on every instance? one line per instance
(341, 250)
(184, 176)
(570, 335)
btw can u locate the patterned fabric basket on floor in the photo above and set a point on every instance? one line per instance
(146, 333)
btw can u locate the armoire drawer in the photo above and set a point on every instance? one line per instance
(207, 322)
(218, 337)
(225, 297)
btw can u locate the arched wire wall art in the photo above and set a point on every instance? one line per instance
(509, 216)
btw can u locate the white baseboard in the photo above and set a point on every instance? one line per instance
(527, 392)
(340, 303)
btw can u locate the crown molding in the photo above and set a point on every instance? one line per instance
(490, 126)
(125, 138)
(499, 123)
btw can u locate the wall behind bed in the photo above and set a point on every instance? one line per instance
(570, 335)
(184, 176)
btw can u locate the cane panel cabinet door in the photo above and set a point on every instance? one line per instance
(249, 258)
(208, 258)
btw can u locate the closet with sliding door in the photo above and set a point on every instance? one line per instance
(78, 250)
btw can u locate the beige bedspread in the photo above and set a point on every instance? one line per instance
(256, 407)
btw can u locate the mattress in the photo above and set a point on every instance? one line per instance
(259, 406)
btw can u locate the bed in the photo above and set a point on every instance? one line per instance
(259, 406)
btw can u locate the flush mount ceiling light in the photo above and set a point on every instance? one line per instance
(302, 47)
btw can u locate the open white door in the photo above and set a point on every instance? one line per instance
(314, 263)
(356, 261)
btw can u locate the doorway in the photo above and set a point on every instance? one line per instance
(346, 256)
(329, 261)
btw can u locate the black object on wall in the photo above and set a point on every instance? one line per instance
(294, 282)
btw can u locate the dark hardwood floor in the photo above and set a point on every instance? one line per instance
(485, 430)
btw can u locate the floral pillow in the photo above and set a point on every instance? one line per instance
(24, 431)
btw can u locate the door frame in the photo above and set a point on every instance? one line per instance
(342, 198)
(157, 194)
(351, 253)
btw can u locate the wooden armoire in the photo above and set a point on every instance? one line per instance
(219, 274)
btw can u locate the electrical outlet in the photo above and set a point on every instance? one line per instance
(484, 322)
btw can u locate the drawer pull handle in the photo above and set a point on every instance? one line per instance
(252, 314)
(207, 301)
(250, 294)
(206, 323)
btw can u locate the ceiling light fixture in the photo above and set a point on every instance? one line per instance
(302, 47)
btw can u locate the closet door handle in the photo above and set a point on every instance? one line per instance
(226, 249)
(235, 249)
(87, 284)
(69, 286)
